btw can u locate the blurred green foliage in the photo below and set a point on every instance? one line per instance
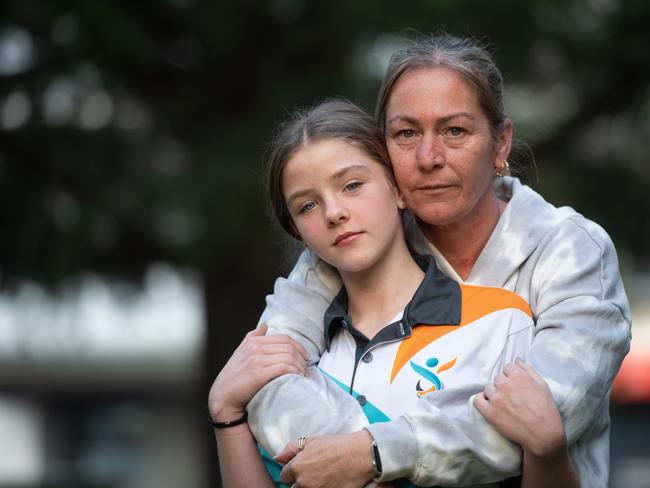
(147, 121)
(134, 132)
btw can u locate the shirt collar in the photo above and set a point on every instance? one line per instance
(437, 301)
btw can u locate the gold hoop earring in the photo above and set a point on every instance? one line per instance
(503, 170)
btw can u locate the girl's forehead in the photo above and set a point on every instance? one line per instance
(325, 160)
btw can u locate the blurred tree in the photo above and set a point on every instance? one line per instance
(134, 132)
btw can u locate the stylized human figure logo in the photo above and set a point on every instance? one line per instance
(430, 376)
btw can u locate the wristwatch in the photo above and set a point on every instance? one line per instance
(376, 460)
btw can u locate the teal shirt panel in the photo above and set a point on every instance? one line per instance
(372, 413)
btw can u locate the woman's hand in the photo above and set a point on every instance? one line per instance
(257, 360)
(520, 406)
(341, 461)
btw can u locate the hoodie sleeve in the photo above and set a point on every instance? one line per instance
(583, 328)
(284, 408)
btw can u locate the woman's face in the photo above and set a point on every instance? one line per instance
(441, 146)
(343, 204)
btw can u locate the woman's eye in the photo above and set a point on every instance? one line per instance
(406, 133)
(455, 131)
(307, 207)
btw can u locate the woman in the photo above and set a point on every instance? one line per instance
(441, 109)
(333, 189)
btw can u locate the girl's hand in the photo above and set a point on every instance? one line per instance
(257, 360)
(520, 406)
(341, 461)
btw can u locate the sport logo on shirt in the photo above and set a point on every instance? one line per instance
(430, 376)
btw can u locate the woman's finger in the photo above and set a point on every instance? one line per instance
(482, 405)
(499, 379)
(279, 348)
(259, 331)
(269, 357)
(278, 340)
(287, 454)
(489, 391)
(287, 475)
(274, 370)
(285, 339)
(531, 371)
(511, 369)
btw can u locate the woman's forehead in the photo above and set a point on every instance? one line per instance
(441, 91)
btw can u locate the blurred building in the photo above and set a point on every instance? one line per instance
(98, 385)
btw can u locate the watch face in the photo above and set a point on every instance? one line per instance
(376, 460)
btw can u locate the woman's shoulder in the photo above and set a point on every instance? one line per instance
(312, 272)
(534, 216)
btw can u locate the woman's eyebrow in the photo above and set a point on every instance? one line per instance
(403, 118)
(442, 120)
(449, 117)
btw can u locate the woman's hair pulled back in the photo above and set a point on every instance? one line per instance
(330, 119)
(465, 56)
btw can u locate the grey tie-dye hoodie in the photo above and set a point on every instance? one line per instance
(564, 265)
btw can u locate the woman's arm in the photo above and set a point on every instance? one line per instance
(581, 336)
(520, 406)
(257, 360)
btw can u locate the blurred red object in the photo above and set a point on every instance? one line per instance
(632, 384)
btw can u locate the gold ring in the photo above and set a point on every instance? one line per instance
(300, 443)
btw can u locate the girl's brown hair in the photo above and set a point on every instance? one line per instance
(330, 119)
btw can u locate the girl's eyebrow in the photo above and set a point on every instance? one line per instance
(339, 174)
(348, 169)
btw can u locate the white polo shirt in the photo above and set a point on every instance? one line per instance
(451, 339)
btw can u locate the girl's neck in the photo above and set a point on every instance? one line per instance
(462, 242)
(380, 292)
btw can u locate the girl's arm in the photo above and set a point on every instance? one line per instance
(240, 461)
(520, 406)
(256, 361)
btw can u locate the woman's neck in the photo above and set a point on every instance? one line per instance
(377, 294)
(461, 243)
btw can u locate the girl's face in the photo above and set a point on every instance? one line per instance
(441, 146)
(343, 204)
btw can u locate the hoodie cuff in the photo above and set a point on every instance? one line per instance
(397, 446)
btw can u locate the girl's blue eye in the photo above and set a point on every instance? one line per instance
(353, 186)
(307, 207)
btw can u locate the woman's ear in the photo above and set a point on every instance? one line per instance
(504, 144)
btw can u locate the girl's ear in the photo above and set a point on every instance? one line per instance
(401, 204)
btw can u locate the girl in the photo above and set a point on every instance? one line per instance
(401, 337)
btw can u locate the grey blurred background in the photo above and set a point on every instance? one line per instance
(135, 245)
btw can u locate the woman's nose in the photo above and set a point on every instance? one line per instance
(429, 153)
